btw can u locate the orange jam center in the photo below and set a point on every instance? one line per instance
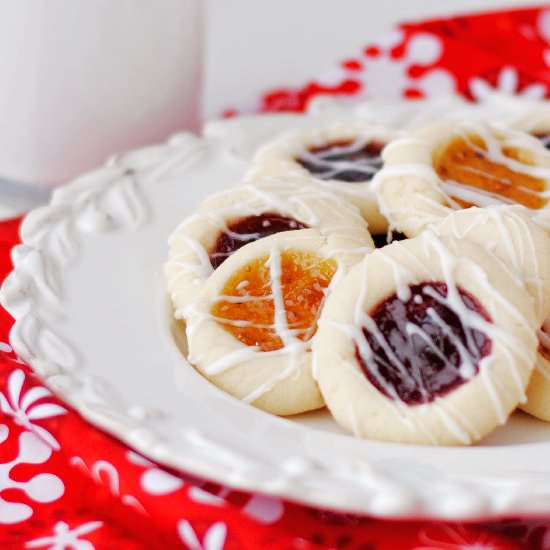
(302, 283)
(465, 161)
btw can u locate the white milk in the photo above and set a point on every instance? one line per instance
(82, 79)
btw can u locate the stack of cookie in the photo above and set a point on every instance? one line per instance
(400, 277)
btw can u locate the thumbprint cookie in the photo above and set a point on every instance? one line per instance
(250, 329)
(428, 340)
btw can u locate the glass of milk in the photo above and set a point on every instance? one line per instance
(82, 80)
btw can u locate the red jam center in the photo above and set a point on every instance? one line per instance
(246, 230)
(421, 349)
(351, 161)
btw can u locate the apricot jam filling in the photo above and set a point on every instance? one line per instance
(465, 161)
(249, 229)
(344, 160)
(421, 349)
(302, 283)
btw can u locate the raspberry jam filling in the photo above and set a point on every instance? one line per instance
(346, 160)
(421, 349)
(295, 281)
(465, 162)
(246, 230)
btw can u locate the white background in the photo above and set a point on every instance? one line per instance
(254, 45)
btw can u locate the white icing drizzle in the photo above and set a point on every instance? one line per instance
(495, 148)
(201, 268)
(471, 320)
(449, 189)
(413, 376)
(230, 360)
(395, 406)
(401, 275)
(280, 323)
(330, 168)
(513, 240)
(283, 157)
(291, 368)
(471, 195)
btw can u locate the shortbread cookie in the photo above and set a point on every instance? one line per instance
(450, 166)
(538, 392)
(341, 158)
(428, 340)
(250, 330)
(228, 220)
(510, 234)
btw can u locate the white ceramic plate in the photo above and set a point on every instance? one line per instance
(93, 319)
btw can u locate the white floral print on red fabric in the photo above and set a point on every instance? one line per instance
(213, 539)
(204, 497)
(105, 473)
(23, 407)
(507, 83)
(158, 482)
(383, 76)
(63, 537)
(42, 488)
(154, 480)
(6, 349)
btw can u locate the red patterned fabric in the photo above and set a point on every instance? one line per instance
(508, 51)
(66, 485)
